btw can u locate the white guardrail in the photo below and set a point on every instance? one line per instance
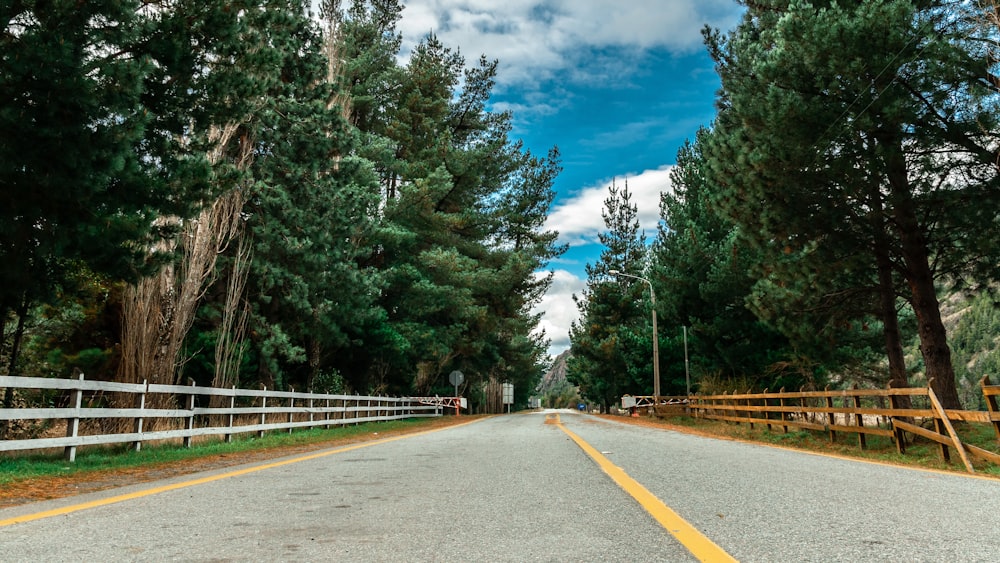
(248, 410)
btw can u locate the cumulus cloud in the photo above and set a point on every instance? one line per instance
(579, 220)
(538, 39)
(558, 309)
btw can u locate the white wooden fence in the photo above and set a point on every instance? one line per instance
(268, 410)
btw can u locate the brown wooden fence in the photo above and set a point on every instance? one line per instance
(862, 412)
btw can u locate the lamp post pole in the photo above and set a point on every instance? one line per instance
(656, 340)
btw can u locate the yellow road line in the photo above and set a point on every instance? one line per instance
(700, 546)
(209, 479)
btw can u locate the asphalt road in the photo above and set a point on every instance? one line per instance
(519, 488)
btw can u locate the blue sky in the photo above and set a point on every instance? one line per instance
(617, 85)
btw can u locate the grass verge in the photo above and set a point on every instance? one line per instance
(920, 452)
(16, 468)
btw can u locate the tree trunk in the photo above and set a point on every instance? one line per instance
(15, 351)
(933, 337)
(314, 352)
(231, 343)
(887, 302)
(920, 279)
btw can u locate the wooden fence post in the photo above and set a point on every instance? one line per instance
(767, 413)
(137, 445)
(991, 403)
(803, 406)
(232, 405)
(726, 412)
(897, 432)
(291, 413)
(73, 424)
(830, 418)
(946, 422)
(327, 413)
(859, 419)
(190, 418)
(784, 415)
(311, 417)
(263, 408)
(749, 412)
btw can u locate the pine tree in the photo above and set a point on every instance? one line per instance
(703, 276)
(612, 310)
(460, 223)
(836, 121)
(99, 159)
(308, 210)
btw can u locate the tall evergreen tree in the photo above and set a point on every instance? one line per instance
(98, 102)
(459, 230)
(308, 210)
(612, 310)
(702, 271)
(837, 121)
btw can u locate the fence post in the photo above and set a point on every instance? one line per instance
(946, 423)
(803, 405)
(137, 445)
(749, 412)
(291, 412)
(831, 419)
(767, 411)
(991, 403)
(73, 424)
(940, 428)
(311, 418)
(232, 405)
(784, 415)
(327, 414)
(263, 414)
(897, 433)
(859, 419)
(190, 420)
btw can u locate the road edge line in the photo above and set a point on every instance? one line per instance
(217, 477)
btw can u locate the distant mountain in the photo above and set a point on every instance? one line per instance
(556, 374)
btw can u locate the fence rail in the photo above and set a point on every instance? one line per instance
(194, 412)
(864, 412)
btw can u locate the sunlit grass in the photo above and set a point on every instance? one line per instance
(920, 452)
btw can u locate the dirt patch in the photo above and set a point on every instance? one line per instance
(53, 487)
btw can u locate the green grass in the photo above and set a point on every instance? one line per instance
(919, 451)
(15, 467)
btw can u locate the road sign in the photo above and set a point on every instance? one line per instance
(456, 378)
(508, 393)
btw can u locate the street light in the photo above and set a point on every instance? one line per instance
(656, 344)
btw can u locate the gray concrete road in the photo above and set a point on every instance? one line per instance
(518, 488)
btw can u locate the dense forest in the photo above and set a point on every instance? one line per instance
(246, 193)
(836, 224)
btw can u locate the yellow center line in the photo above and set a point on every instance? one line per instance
(700, 546)
(209, 479)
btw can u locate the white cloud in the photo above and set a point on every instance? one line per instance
(579, 220)
(535, 39)
(558, 309)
